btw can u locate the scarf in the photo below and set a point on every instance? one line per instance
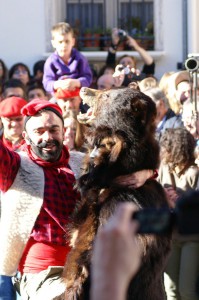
(62, 162)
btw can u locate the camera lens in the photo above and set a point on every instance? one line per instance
(122, 34)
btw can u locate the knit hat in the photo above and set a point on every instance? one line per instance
(11, 107)
(34, 106)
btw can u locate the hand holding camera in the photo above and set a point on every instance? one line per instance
(120, 35)
(126, 73)
(115, 37)
(184, 219)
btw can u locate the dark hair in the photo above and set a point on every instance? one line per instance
(13, 83)
(35, 84)
(177, 148)
(126, 55)
(16, 66)
(5, 71)
(38, 66)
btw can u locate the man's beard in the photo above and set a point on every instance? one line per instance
(51, 155)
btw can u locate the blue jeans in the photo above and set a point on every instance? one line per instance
(7, 291)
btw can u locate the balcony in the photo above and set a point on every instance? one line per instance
(101, 42)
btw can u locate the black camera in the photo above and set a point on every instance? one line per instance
(184, 219)
(130, 76)
(122, 34)
(192, 64)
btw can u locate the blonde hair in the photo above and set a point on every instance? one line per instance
(146, 83)
(61, 28)
(164, 81)
(167, 85)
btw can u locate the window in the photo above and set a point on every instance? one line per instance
(87, 16)
(136, 15)
(91, 18)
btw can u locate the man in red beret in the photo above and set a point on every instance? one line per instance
(13, 122)
(69, 103)
(37, 200)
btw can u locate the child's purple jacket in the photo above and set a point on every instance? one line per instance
(77, 68)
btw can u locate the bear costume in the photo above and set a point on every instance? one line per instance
(121, 132)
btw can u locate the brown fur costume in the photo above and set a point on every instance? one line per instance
(122, 133)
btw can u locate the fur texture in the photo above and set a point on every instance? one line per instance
(122, 135)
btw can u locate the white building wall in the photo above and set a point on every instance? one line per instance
(22, 33)
(24, 30)
(171, 36)
(193, 26)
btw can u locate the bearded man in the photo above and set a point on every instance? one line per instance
(37, 200)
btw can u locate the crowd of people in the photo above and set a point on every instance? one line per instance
(42, 147)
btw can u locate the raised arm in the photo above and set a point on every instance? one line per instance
(9, 165)
(147, 58)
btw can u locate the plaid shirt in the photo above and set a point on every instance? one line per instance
(59, 197)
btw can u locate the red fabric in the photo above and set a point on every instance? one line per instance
(62, 162)
(64, 94)
(36, 105)
(155, 174)
(9, 165)
(38, 256)
(59, 197)
(11, 146)
(11, 107)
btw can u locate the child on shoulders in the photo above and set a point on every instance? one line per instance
(66, 69)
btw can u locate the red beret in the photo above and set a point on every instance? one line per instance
(34, 106)
(11, 107)
(64, 94)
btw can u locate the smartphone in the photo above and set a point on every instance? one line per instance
(155, 221)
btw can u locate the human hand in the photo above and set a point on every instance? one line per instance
(116, 255)
(172, 196)
(71, 84)
(134, 180)
(115, 36)
(119, 75)
(135, 71)
(121, 72)
(67, 84)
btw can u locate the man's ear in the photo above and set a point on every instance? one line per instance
(26, 138)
